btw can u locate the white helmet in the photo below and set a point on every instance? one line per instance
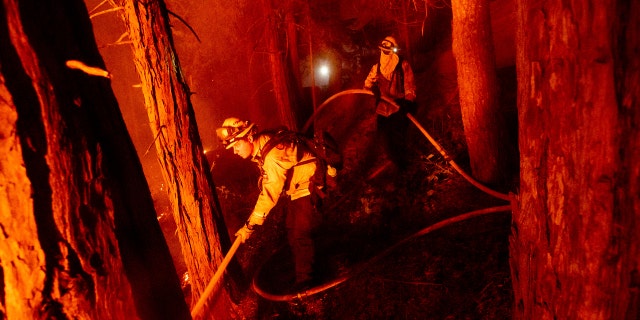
(233, 129)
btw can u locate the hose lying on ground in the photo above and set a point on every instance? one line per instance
(455, 165)
(363, 266)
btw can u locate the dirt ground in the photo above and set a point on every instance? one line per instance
(370, 250)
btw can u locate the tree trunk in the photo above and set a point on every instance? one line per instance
(575, 248)
(293, 55)
(403, 28)
(200, 224)
(292, 45)
(278, 77)
(478, 87)
(80, 238)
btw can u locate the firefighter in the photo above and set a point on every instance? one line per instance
(392, 77)
(283, 170)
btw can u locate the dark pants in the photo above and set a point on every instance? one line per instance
(301, 222)
(392, 132)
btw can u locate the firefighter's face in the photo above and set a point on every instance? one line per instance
(243, 148)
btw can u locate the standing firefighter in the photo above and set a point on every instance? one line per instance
(392, 77)
(285, 167)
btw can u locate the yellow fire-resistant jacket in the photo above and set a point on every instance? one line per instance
(277, 165)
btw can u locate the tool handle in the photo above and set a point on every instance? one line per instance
(207, 291)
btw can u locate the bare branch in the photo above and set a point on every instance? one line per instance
(105, 11)
(78, 65)
(98, 6)
(186, 24)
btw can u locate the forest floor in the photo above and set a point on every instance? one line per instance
(376, 250)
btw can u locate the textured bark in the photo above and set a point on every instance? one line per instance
(80, 238)
(22, 258)
(478, 87)
(201, 228)
(278, 77)
(574, 246)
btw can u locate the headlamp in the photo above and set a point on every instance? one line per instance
(387, 47)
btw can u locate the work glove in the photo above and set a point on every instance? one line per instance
(255, 219)
(406, 106)
(244, 233)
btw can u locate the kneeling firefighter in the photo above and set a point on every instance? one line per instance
(287, 168)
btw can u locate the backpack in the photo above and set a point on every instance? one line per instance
(327, 154)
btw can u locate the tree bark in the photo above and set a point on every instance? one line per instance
(80, 238)
(295, 79)
(403, 28)
(200, 224)
(292, 44)
(575, 246)
(278, 76)
(478, 87)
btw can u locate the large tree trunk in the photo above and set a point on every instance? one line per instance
(200, 224)
(575, 247)
(478, 87)
(80, 238)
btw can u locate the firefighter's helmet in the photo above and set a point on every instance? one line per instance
(232, 130)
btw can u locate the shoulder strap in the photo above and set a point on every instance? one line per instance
(399, 67)
(282, 136)
(400, 72)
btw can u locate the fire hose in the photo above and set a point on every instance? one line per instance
(422, 130)
(298, 295)
(436, 226)
(328, 285)
(354, 271)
